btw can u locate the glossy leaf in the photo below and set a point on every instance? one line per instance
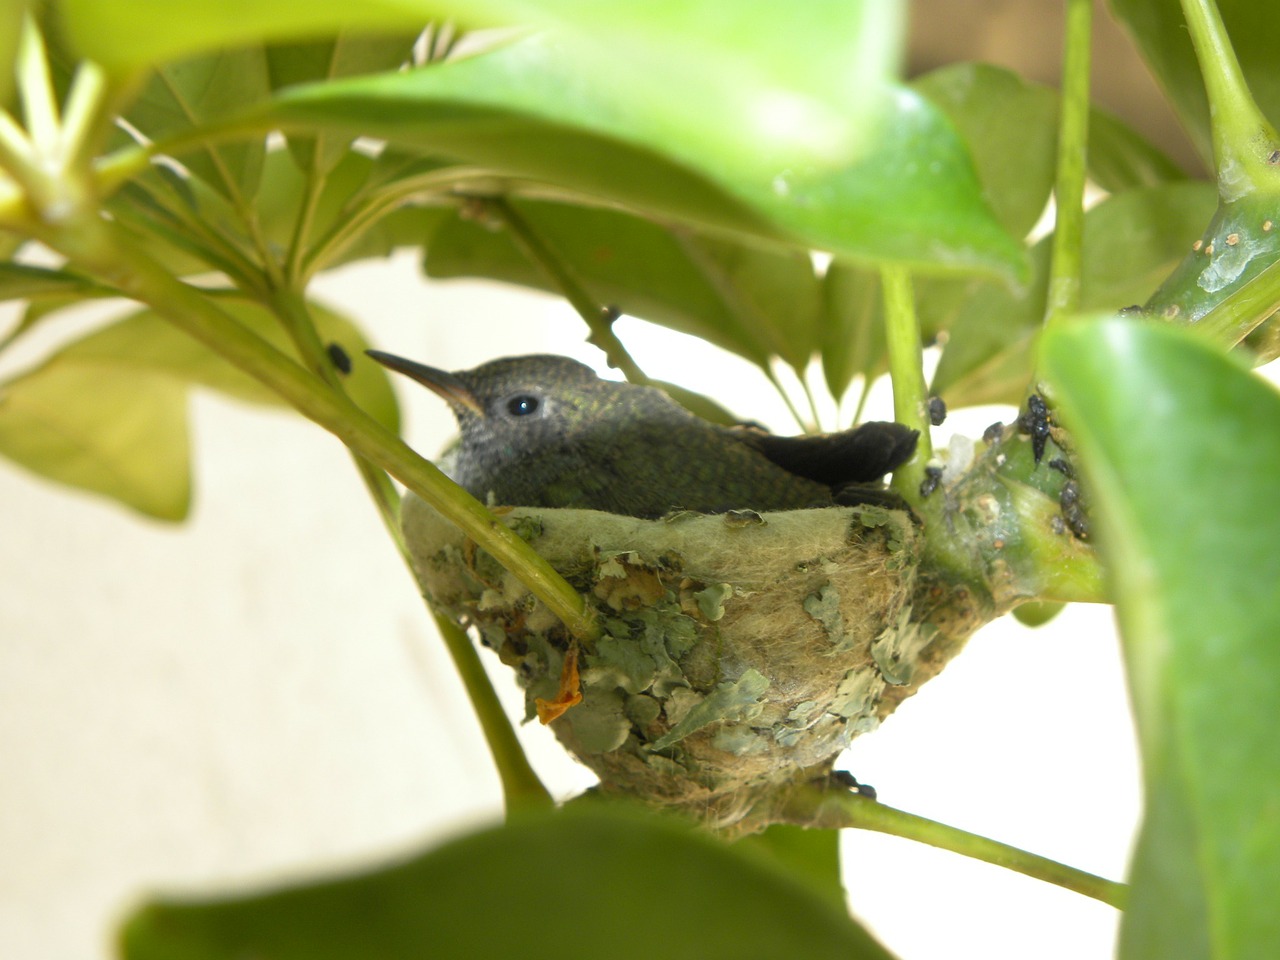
(1131, 241)
(751, 300)
(1161, 34)
(103, 428)
(582, 883)
(1180, 453)
(562, 114)
(805, 75)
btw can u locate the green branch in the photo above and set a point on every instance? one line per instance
(99, 247)
(1068, 191)
(599, 320)
(817, 805)
(1243, 139)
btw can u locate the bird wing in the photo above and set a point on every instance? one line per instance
(863, 454)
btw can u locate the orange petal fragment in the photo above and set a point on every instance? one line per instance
(569, 694)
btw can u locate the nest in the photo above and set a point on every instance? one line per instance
(738, 652)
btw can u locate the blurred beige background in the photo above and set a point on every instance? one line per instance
(257, 694)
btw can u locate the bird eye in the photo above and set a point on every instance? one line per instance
(523, 405)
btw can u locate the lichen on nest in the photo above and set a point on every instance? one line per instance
(737, 653)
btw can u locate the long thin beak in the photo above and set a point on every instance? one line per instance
(453, 390)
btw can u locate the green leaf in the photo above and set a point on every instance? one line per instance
(343, 56)
(102, 428)
(1122, 159)
(1180, 451)
(821, 63)
(751, 300)
(559, 112)
(1131, 241)
(1161, 34)
(811, 855)
(581, 883)
(181, 97)
(852, 327)
(147, 343)
(1011, 127)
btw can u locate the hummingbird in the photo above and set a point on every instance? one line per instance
(545, 431)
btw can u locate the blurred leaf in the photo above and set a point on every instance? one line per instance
(1131, 241)
(607, 883)
(146, 342)
(753, 301)
(1161, 35)
(852, 328)
(108, 412)
(813, 856)
(562, 113)
(103, 428)
(1011, 127)
(182, 96)
(1122, 159)
(1180, 452)
(343, 56)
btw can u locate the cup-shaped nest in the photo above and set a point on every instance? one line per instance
(737, 652)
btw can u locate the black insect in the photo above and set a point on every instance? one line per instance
(1064, 468)
(937, 411)
(993, 433)
(340, 359)
(932, 477)
(847, 780)
(1036, 421)
(1074, 510)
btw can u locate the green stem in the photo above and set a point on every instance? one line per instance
(292, 309)
(813, 805)
(1073, 140)
(598, 319)
(99, 247)
(521, 787)
(376, 205)
(906, 370)
(1243, 139)
(772, 374)
(520, 784)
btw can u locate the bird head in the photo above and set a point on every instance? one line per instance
(513, 405)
